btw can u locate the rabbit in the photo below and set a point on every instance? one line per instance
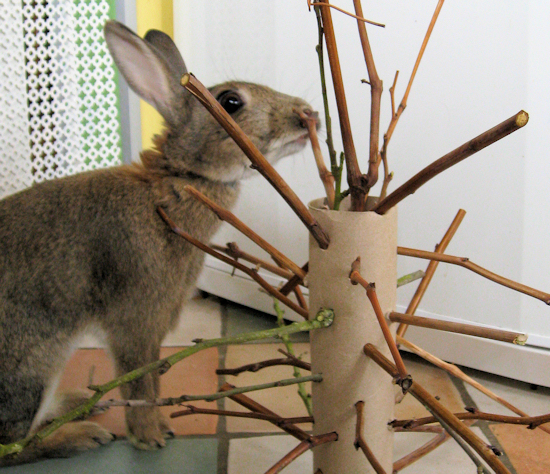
(89, 251)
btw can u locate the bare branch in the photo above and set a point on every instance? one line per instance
(437, 409)
(304, 446)
(432, 266)
(230, 218)
(452, 158)
(358, 18)
(356, 278)
(251, 273)
(469, 329)
(465, 262)
(360, 440)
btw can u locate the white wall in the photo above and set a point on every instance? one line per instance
(485, 62)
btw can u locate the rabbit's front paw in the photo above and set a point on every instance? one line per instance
(147, 428)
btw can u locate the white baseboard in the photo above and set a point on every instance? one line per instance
(526, 363)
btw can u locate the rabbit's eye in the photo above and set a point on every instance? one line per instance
(230, 101)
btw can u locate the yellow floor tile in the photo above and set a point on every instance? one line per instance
(282, 400)
(527, 449)
(194, 375)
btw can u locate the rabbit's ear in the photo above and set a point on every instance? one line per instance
(144, 67)
(168, 50)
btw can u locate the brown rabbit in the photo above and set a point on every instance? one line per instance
(90, 252)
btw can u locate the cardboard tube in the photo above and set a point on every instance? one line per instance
(337, 352)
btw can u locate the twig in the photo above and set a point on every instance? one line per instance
(302, 392)
(334, 166)
(532, 422)
(255, 407)
(384, 151)
(230, 218)
(293, 361)
(432, 266)
(465, 262)
(326, 176)
(406, 279)
(376, 95)
(192, 410)
(304, 446)
(455, 371)
(209, 397)
(437, 409)
(469, 329)
(414, 456)
(356, 278)
(403, 104)
(293, 282)
(250, 272)
(358, 18)
(360, 440)
(353, 172)
(233, 250)
(194, 86)
(452, 158)
(481, 469)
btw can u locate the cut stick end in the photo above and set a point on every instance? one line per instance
(185, 79)
(521, 339)
(522, 119)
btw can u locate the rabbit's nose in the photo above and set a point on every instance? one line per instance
(310, 115)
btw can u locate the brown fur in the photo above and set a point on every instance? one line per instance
(90, 250)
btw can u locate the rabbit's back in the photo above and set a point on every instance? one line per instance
(78, 249)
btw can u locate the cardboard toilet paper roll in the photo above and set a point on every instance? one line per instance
(336, 352)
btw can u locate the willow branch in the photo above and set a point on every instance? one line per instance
(208, 397)
(474, 414)
(255, 407)
(293, 282)
(403, 104)
(250, 272)
(465, 262)
(304, 446)
(460, 328)
(211, 396)
(194, 86)
(233, 250)
(326, 176)
(360, 440)
(406, 279)
(257, 366)
(481, 469)
(358, 18)
(231, 219)
(450, 159)
(432, 266)
(192, 410)
(427, 448)
(376, 96)
(352, 166)
(455, 371)
(356, 278)
(302, 392)
(437, 409)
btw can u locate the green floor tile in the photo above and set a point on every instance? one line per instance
(181, 456)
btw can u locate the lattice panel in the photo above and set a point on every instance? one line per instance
(58, 106)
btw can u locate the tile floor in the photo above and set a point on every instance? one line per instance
(206, 444)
